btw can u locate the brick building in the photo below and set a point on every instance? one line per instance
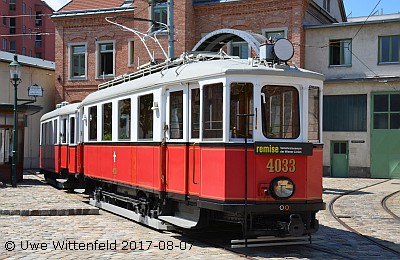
(90, 50)
(26, 28)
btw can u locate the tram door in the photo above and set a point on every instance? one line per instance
(179, 153)
(339, 159)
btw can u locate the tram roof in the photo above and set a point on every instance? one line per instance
(197, 71)
(64, 110)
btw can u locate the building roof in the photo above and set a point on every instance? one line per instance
(27, 61)
(79, 5)
(376, 19)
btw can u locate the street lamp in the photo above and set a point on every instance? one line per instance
(15, 79)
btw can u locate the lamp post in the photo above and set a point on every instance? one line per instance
(15, 79)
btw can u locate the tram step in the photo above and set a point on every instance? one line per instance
(155, 223)
(177, 221)
(270, 241)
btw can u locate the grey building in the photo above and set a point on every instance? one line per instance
(360, 59)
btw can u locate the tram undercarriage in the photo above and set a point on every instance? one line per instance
(160, 212)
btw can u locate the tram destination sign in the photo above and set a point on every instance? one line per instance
(283, 148)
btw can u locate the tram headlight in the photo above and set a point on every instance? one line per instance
(282, 188)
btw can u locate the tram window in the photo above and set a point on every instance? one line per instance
(42, 134)
(124, 122)
(50, 133)
(93, 123)
(64, 131)
(241, 103)
(212, 111)
(176, 115)
(145, 117)
(313, 114)
(195, 113)
(72, 130)
(280, 112)
(107, 122)
(55, 141)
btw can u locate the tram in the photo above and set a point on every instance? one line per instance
(204, 140)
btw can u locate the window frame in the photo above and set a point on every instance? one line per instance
(265, 31)
(12, 5)
(12, 25)
(100, 76)
(389, 112)
(179, 93)
(107, 136)
(338, 118)
(129, 123)
(12, 43)
(248, 105)
(195, 109)
(296, 118)
(380, 62)
(64, 130)
(95, 124)
(70, 60)
(131, 52)
(158, 5)
(342, 53)
(72, 133)
(326, 4)
(203, 112)
(150, 112)
(38, 40)
(317, 118)
(244, 49)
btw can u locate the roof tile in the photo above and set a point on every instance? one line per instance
(77, 5)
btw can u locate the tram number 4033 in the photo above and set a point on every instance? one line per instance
(281, 165)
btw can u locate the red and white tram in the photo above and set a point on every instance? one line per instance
(205, 141)
(61, 151)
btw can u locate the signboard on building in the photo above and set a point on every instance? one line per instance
(35, 91)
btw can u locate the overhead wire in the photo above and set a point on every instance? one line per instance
(376, 75)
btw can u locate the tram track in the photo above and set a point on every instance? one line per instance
(216, 240)
(338, 219)
(386, 208)
(328, 251)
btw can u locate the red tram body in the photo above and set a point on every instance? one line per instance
(202, 142)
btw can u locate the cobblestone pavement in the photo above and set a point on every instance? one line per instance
(106, 236)
(33, 197)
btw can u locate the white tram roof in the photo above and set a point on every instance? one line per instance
(64, 110)
(194, 71)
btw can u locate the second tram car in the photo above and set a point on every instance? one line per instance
(219, 140)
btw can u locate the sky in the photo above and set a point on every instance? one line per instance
(364, 7)
(355, 7)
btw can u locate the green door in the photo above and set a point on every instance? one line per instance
(339, 159)
(385, 135)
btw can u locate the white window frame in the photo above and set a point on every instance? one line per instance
(70, 46)
(275, 29)
(98, 75)
(131, 52)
